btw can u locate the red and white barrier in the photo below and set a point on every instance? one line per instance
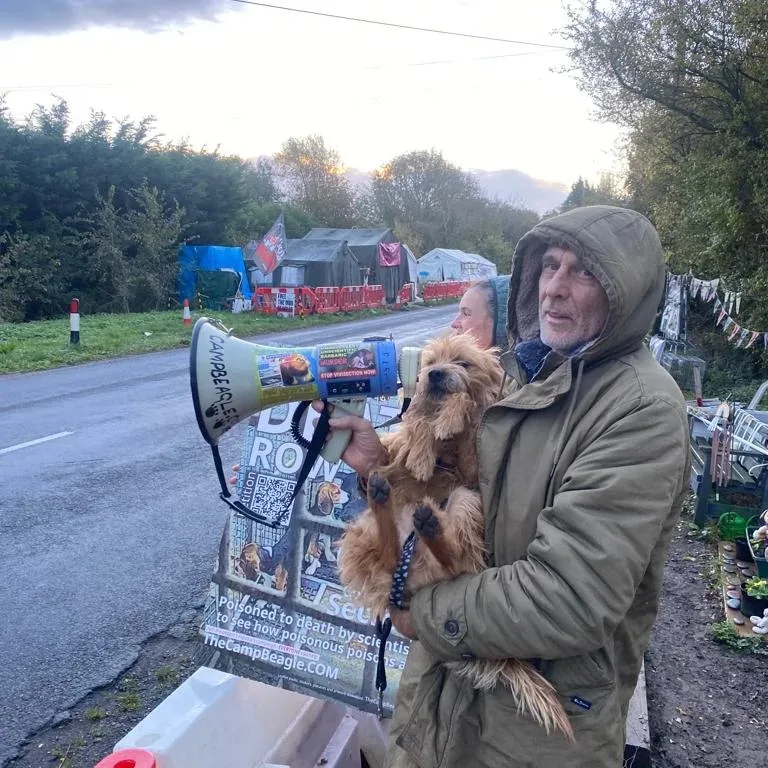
(186, 316)
(406, 294)
(326, 300)
(305, 302)
(351, 298)
(450, 289)
(373, 296)
(302, 301)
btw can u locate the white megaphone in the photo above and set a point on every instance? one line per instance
(231, 379)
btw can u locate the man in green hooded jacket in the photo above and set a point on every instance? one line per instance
(583, 471)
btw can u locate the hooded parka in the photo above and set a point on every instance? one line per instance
(583, 471)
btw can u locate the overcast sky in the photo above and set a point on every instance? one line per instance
(245, 78)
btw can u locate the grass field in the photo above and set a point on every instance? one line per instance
(45, 344)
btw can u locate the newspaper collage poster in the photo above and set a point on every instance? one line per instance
(276, 610)
(673, 315)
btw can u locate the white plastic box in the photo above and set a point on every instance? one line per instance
(217, 720)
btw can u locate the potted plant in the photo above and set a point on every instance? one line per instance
(757, 545)
(754, 596)
(743, 552)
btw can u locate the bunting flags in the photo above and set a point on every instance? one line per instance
(706, 289)
(723, 311)
(733, 302)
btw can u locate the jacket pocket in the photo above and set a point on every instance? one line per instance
(592, 670)
(503, 738)
(423, 734)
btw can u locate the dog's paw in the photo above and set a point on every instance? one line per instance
(378, 488)
(425, 522)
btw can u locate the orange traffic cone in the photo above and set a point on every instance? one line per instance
(129, 758)
(187, 316)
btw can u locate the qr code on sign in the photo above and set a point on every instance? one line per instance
(271, 497)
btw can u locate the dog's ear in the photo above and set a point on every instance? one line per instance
(487, 377)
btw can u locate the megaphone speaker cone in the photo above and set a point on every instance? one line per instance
(222, 374)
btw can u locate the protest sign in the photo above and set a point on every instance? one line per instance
(276, 609)
(285, 302)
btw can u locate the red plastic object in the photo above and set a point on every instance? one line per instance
(129, 758)
(406, 294)
(263, 300)
(305, 301)
(351, 298)
(373, 296)
(327, 299)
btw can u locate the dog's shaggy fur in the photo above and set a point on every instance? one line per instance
(428, 485)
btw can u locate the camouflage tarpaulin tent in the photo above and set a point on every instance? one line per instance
(364, 243)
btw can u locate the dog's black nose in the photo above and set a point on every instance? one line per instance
(436, 376)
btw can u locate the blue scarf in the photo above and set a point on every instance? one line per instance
(530, 355)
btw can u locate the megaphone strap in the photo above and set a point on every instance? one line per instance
(400, 576)
(313, 448)
(383, 628)
(296, 424)
(233, 502)
(396, 419)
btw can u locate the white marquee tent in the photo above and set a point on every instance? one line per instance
(449, 264)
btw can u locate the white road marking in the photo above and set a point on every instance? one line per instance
(30, 443)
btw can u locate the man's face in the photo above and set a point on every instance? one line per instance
(573, 306)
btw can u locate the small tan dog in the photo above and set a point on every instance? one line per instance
(427, 487)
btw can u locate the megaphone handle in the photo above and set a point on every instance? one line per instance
(339, 438)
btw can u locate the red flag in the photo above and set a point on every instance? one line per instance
(271, 249)
(389, 254)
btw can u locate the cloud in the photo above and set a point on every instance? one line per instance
(50, 17)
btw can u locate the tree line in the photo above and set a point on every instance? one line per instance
(688, 79)
(99, 210)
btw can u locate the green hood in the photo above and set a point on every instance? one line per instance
(620, 247)
(500, 287)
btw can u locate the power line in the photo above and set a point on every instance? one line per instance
(398, 26)
(457, 61)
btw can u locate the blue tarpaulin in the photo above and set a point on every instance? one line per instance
(210, 258)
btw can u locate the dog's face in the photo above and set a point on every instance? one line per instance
(329, 496)
(295, 370)
(456, 377)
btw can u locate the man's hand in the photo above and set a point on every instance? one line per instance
(364, 453)
(403, 623)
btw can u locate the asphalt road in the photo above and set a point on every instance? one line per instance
(109, 516)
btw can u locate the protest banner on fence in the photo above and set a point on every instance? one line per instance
(285, 302)
(276, 609)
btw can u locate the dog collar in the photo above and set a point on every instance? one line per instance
(400, 576)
